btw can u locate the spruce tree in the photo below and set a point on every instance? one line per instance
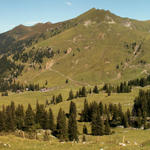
(120, 113)
(72, 128)
(84, 114)
(128, 116)
(107, 127)
(125, 120)
(29, 118)
(72, 109)
(45, 121)
(2, 121)
(96, 90)
(12, 108)
(10, 122)
(4, 116)
(99, 124)
(84, 92)
(59, 98)
(94, 124)
(20, 117)
(139, 122)
(77, 94)
(115, 118)
(72, 123)
(71, 95)
(85, 130)
(41, 115)
(101, 109)
(37, 114)
(61, 132)
(51, 120)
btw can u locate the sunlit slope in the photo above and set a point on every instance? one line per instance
(94, 49)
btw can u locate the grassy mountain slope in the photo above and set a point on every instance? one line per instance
(95, 46)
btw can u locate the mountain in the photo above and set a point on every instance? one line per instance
(93, 48)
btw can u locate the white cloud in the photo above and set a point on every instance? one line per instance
(30, 23)
(6, 27)
(69, 3)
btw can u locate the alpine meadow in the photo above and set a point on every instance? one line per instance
(79, 84)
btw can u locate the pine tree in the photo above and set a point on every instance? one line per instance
(53, 101)
(72, 123)
(144, 119)
(77, 94)
(71, 95)
(115, 118)
(84, 115)
(4, 117)
(51, 120)
(61, 132)
(99, 124)
(45, 121)
(107, 128)
(41, 115)
(125, 120)
(10, 122)
(29, 118)
(37, 114)
(72, 109)
(72, 128)
(90, 91)
(2, 121)
(101, 109)
(93, 108)
(84, 92)
(12, 108)
(120, 113)
(128, 116)
(139, 122)
(20, 117)
(94, 124)
(96, 90)
(85, 130)
(59, 98)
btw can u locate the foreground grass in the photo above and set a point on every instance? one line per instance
(137, 139)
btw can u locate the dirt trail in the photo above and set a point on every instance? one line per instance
(50, 64)
(78, 83)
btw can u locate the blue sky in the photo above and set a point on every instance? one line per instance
(29, 12)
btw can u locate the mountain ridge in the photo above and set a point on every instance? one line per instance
(106, 47)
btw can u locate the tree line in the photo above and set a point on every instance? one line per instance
(34, 56)
(82, 92)
(17, 86)
(123, 87)
(140, 82)
(12, 118)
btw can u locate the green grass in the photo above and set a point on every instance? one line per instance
(138, 140)
(101, 50)
(125, 99)
(98, 57)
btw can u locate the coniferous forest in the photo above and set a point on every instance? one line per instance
(102, 118)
